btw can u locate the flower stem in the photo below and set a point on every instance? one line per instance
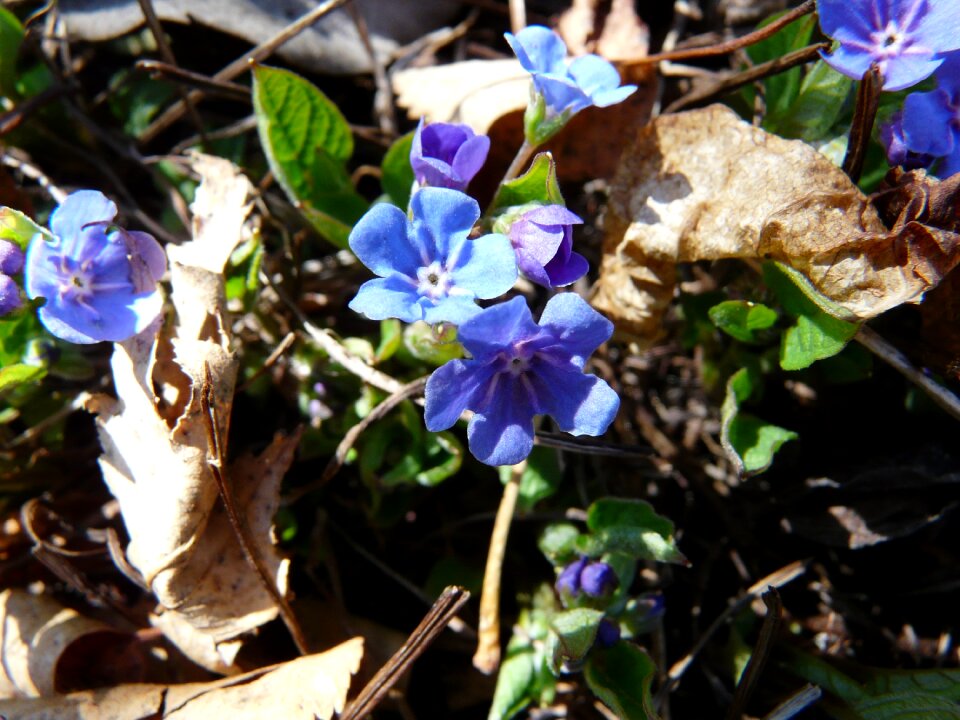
(523, 155)
(487, 657)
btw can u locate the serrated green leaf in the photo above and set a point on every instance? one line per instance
(576, 631)
(818, 106)
(558, 542)
(932, 682)
(907, 706)
(397, 174)
(18, 228)
(537, 185)
(620, 676)
(540, 478)
(820, 330)
(19, 374)
(11, 37)
(750, 443)
(632, 527)
(742, 320)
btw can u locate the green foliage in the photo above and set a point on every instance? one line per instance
(629, 526)
(621, 677)
(433, 345)
(18, 228)
(136, 99)
(18, 374)
(781, 90)
(540, 478)
(307, 142)
(537, 185)
(391, 339)
(11, 37)
(742, 320)
(818, 107)
(558, 543)
(396, 173)
(575, 632)
(749, 441)
(820, 330)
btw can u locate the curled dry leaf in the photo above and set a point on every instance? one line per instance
(47, 648)
(156, 458)
(610, 29)
(309, 687)
(704, 185)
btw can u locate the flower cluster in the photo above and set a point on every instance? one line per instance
(11, 262)
(99, 280)
(591, 577)
(432, 266)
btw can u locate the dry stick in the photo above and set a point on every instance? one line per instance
(443, 610)
(487, 657)
(758, 72)
(864, 115)
(339, 457)
(730, 46)
(800, 700)
(278, 351)
(518, 15)
(31, 171)
(237, 521)
(175, 73)
(519, 161)
(241, 64)
(889, 354)
(760, 655)
(781, 577)
(153, 22)
(383, 98)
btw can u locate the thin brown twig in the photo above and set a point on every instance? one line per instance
(177, 74)
(760, 655)
(272, 358)
(864, 115)
(242, 64)
(730, 46)
(383, 98)
(237, 521)
(443, 610)
(518, 15)
(799, 701)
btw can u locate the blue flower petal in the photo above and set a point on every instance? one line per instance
(389, 297)
(577, 327)
(496, 327)
(561, 93)
(593, 74)
(453, 309)
(470, 157)
(451, 389)
(581, 404)
(442, 217)
(907, 70)
(501, 431)
(941, 26)
(486, 266)
(539, 49)
(848, 61)
(950, 165)
(926, 122)
(564, 271)
(381, 242)
(842, 19)
(79, 209)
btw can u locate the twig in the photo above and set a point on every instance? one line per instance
(585, 446)
(799, 701)
(518, 15)
(232, 90)
(443, 610)
(383, 98)
(11, 119)
(278, 351)
(340, 456)
(893, 357)
(781, 577)
(241, 64)
(237, 521)
(519, 161)
(864, 115)
(487, 657)
(760, 655)
(731, 83)
(730, 46)
(31, 171)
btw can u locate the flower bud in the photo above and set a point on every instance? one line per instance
(598, 579)
(11, 258)
(542, 238)
(10, 299)
(608, 633)
(447, 155)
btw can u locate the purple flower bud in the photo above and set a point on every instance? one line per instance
(892, 137)
(447, 155)
(11, 258)
(10, 298)
(543, 241)
(569, 580)
(598, 579)
(608, 633)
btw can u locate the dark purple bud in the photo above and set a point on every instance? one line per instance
(895, 143)
(608, 633)
(543, 241)
(10, 298)
(569, 581)
(11, 258)
(598, 579)
(447, 155)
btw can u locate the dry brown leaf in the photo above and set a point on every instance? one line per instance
(704, 185)
(156, 455)
(43, 645)
(610, 29)
(309, 687)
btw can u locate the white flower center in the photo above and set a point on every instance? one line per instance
(434, 280)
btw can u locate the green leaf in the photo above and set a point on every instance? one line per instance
(11, 37)
(936, 682)
(907, 706)
(433, 345)
(397, 175)
(820, 331)
(18, 228)
(749, 442)
(629, 526)
(444, 453)
(782, 89)
(819, 105)
(620, 676)
(19, 374)
(576, 630)
(540, 478)
(515, 684)
(558, 542)
(391, 338)
(742, 320)
(307, 141)
(537, 185)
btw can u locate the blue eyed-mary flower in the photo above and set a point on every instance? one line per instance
(566, 88)
(99, 280)
(428, 268)
(520, 369)
(591, 577)
(543, 240)
(895, 143)
(905, 39)
(931, 120)
(11, 262)
(447, 155)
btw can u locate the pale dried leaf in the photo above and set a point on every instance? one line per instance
(704, 185)
(36, 635)
(309, 687)
(610, 29)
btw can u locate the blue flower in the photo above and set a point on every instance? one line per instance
(591, 577)
(447, 155)
(895, 143)
(99, 280)
(428, 269)
(587, 80)
(906, 39)
(543, 240)
(931, 120)
(11, 262)
(520, 369)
